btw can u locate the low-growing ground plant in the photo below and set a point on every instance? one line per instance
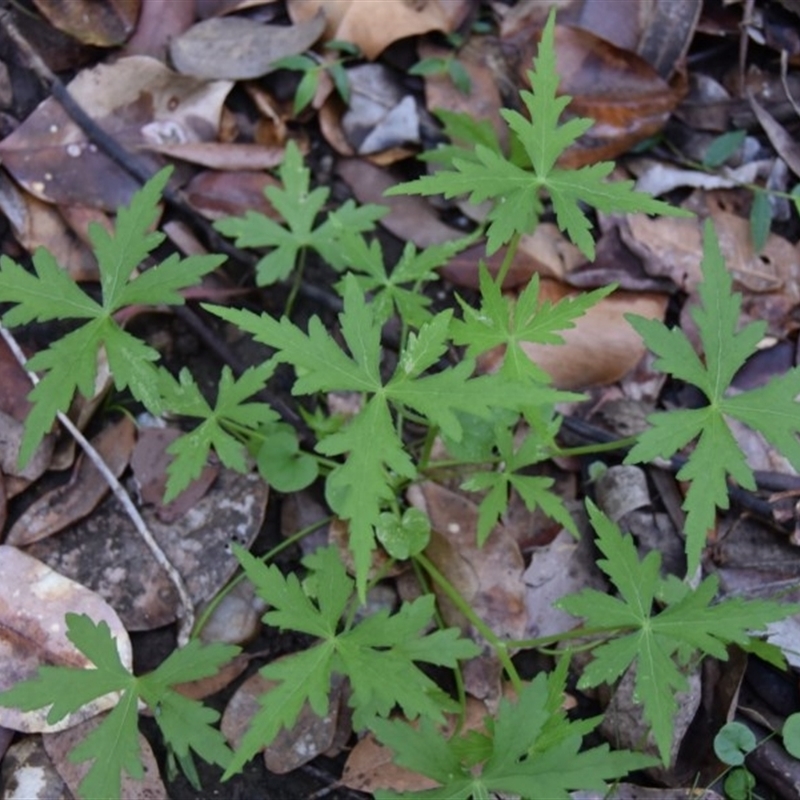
(494, 425)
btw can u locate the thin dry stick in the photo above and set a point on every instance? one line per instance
(186, 613)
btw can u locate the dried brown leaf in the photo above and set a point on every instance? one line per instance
(355, 21)
(235, 48)
(106, 24)
(33, 602)
(55, 510)
(105, 553)
(138, 101)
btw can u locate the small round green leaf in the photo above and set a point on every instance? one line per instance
(739, 784)
(283, 465)
(406, 536)
(791, 735)
(733, 742)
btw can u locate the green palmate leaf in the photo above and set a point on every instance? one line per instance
(364, 484)
(70, 363)
(659, 642)
(114, 745)
(771, 410)
(501, 321)
(534, 490)
(516, 191)
(532, 751)
(377, 655)
(299, 206)
(400, 290)
(465, 132)
(230, 413)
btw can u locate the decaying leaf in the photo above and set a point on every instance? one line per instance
(149, 463)
(26, 763)
(370, 765)
(489, 578)
(68, 503)
(354, 21)
(59, 745)
(235, 48)
(33, 602)
(138, 101)
(310, 736)
(102, 24)
(37, 224)
(105, 553)
(600, 348)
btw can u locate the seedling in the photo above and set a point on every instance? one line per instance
(495, 426)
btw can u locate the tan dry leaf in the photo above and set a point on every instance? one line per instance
(210, 685)
(106, 24)
(370, 765)
(483, 101)
(104, 551)
(218, 194)
(138, 101)
(37, 224)
(410, 218)
(159, 22)
(489, 578)
(600, 349)
(33, 602)
(56, 509)
(222, 155)
(374, 24)
(11, 433)
(149, 463)
(310, 736)
(235, 48)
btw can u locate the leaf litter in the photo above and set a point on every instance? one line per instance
(228, 509)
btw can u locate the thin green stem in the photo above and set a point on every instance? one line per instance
(427, 447)
(601, 632)
(500, 647)
(202, 620)
(461, 690)
(700, 167)
(511, 251)
(600, 447)
(450, 463)
(297, 282)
